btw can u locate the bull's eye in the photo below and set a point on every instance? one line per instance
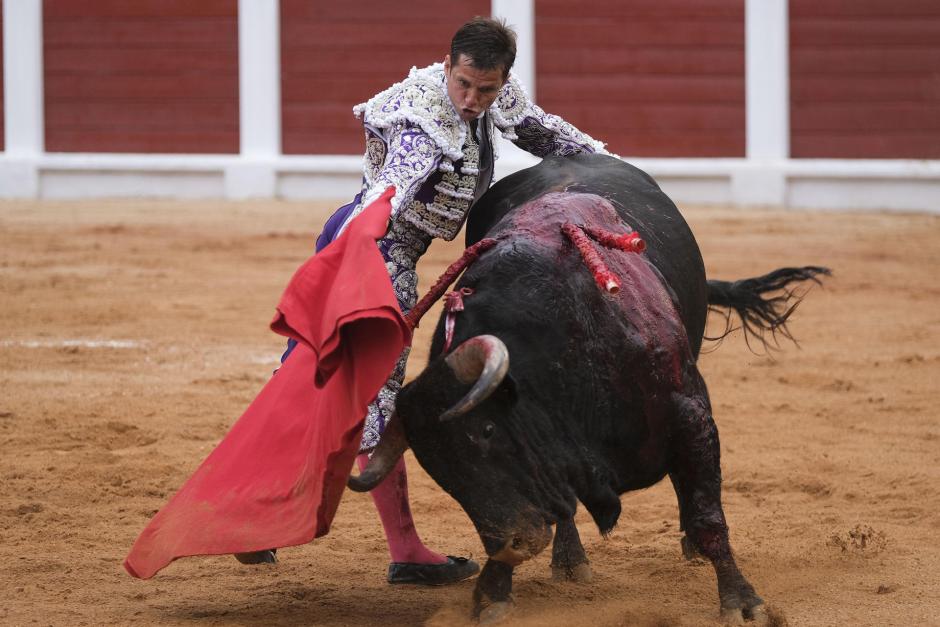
(488, 430)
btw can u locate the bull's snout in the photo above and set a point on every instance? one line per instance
(520, 546)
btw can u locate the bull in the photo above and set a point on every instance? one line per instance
(560, 391)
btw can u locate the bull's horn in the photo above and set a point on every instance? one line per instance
(483, 359)
(386, 454)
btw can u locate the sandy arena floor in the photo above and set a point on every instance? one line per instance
(132, 334)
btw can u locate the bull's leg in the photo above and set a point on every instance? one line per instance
(492, 597)
(569, 561)
(689, 551)
(695, 471)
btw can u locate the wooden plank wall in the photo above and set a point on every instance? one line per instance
(657, 78)
(865, 78)
(147, 76)
(335, 55)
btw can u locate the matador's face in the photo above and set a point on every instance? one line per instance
(471, 90)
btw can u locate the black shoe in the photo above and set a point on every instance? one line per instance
(268, 556)
(453, 570)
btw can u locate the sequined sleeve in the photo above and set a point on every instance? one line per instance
(405, 161)
(543, 134)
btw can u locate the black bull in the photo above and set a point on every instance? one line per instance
(561, 392)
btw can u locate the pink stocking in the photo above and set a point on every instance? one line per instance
(391, 501)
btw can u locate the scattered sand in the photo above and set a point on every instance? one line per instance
(132, 334)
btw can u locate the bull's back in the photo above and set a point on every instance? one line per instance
(641, 204)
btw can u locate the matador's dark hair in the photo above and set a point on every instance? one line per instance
(489, 44)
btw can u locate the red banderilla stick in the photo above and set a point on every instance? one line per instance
(604, 278)
(453, 304)
(450, 275)
(628, 242)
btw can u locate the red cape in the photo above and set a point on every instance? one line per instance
(276, 479)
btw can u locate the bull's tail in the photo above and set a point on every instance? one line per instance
(761, 312)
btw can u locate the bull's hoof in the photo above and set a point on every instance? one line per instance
(495, 613)
(756, 616)
(689, 551)
(578, 574)
(258, 557)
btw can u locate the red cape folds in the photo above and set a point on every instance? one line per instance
(276, 479)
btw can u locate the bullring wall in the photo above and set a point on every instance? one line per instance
(802, 103)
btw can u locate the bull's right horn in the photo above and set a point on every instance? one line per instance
(386, 454)
(483, 359)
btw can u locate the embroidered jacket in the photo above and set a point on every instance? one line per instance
(416, 141)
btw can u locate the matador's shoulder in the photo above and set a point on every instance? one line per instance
(419, 100)
(510, 107)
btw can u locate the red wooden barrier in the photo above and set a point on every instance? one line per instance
(865, 78)
(335, 55)
(662, 78)
(149, 76)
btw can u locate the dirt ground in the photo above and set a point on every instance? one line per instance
(133, 334)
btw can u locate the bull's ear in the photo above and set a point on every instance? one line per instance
(429, 394)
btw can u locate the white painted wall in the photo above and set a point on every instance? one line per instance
(767, 105)
(259, 101)
(520, 15)
(22, 98)
(766, 176)
(767, 88)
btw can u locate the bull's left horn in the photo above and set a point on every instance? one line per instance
(484, 360)
(386, 454)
